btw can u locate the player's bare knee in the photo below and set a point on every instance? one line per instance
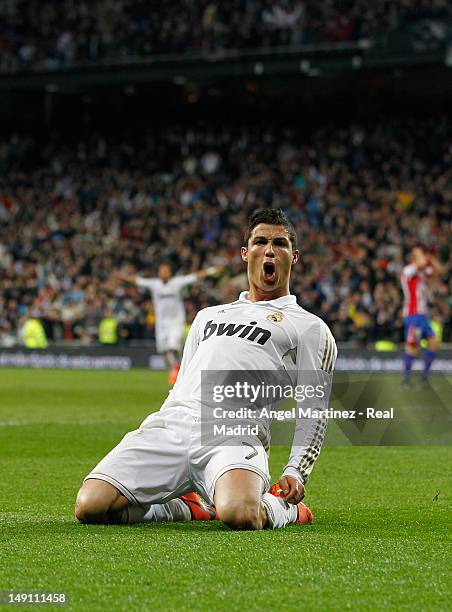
(86, 514)
(94, 501)
(88, 509)
(240, 515)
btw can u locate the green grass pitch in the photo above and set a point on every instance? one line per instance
(379, 540)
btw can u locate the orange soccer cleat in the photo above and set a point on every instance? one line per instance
(304, 513)
(200, 511)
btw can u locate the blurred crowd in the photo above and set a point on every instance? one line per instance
(49, 35)
(359, 195)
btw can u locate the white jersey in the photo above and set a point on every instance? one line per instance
(168, 303)
(274, 335)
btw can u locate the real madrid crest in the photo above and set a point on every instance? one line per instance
(276, 317)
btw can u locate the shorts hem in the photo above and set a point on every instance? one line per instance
(239, 466)
(118, 485)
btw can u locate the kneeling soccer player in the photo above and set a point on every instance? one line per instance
(156, 472)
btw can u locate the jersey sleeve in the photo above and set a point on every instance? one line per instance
(409, 271)
(316, 358)
(146, 283)
(183, 281)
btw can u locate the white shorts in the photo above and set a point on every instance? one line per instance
(169, 336)
(164, 459)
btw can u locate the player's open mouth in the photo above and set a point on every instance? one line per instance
(269, 271)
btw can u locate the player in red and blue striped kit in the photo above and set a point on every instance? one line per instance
(415, 279)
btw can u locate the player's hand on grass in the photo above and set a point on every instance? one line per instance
(293, 490)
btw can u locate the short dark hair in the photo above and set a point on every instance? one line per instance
(418, 245)
(270, 216)
(166, 262)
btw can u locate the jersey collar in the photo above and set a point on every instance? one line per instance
(285, 300)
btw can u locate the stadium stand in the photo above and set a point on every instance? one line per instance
(360, 195)
(50, 35)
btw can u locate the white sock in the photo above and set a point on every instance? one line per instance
(279, 512)
(174, 510)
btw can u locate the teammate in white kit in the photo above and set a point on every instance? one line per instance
(169, 308)
(150, 474)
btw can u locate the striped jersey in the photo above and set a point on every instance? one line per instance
(415, 289)
(275, 335)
